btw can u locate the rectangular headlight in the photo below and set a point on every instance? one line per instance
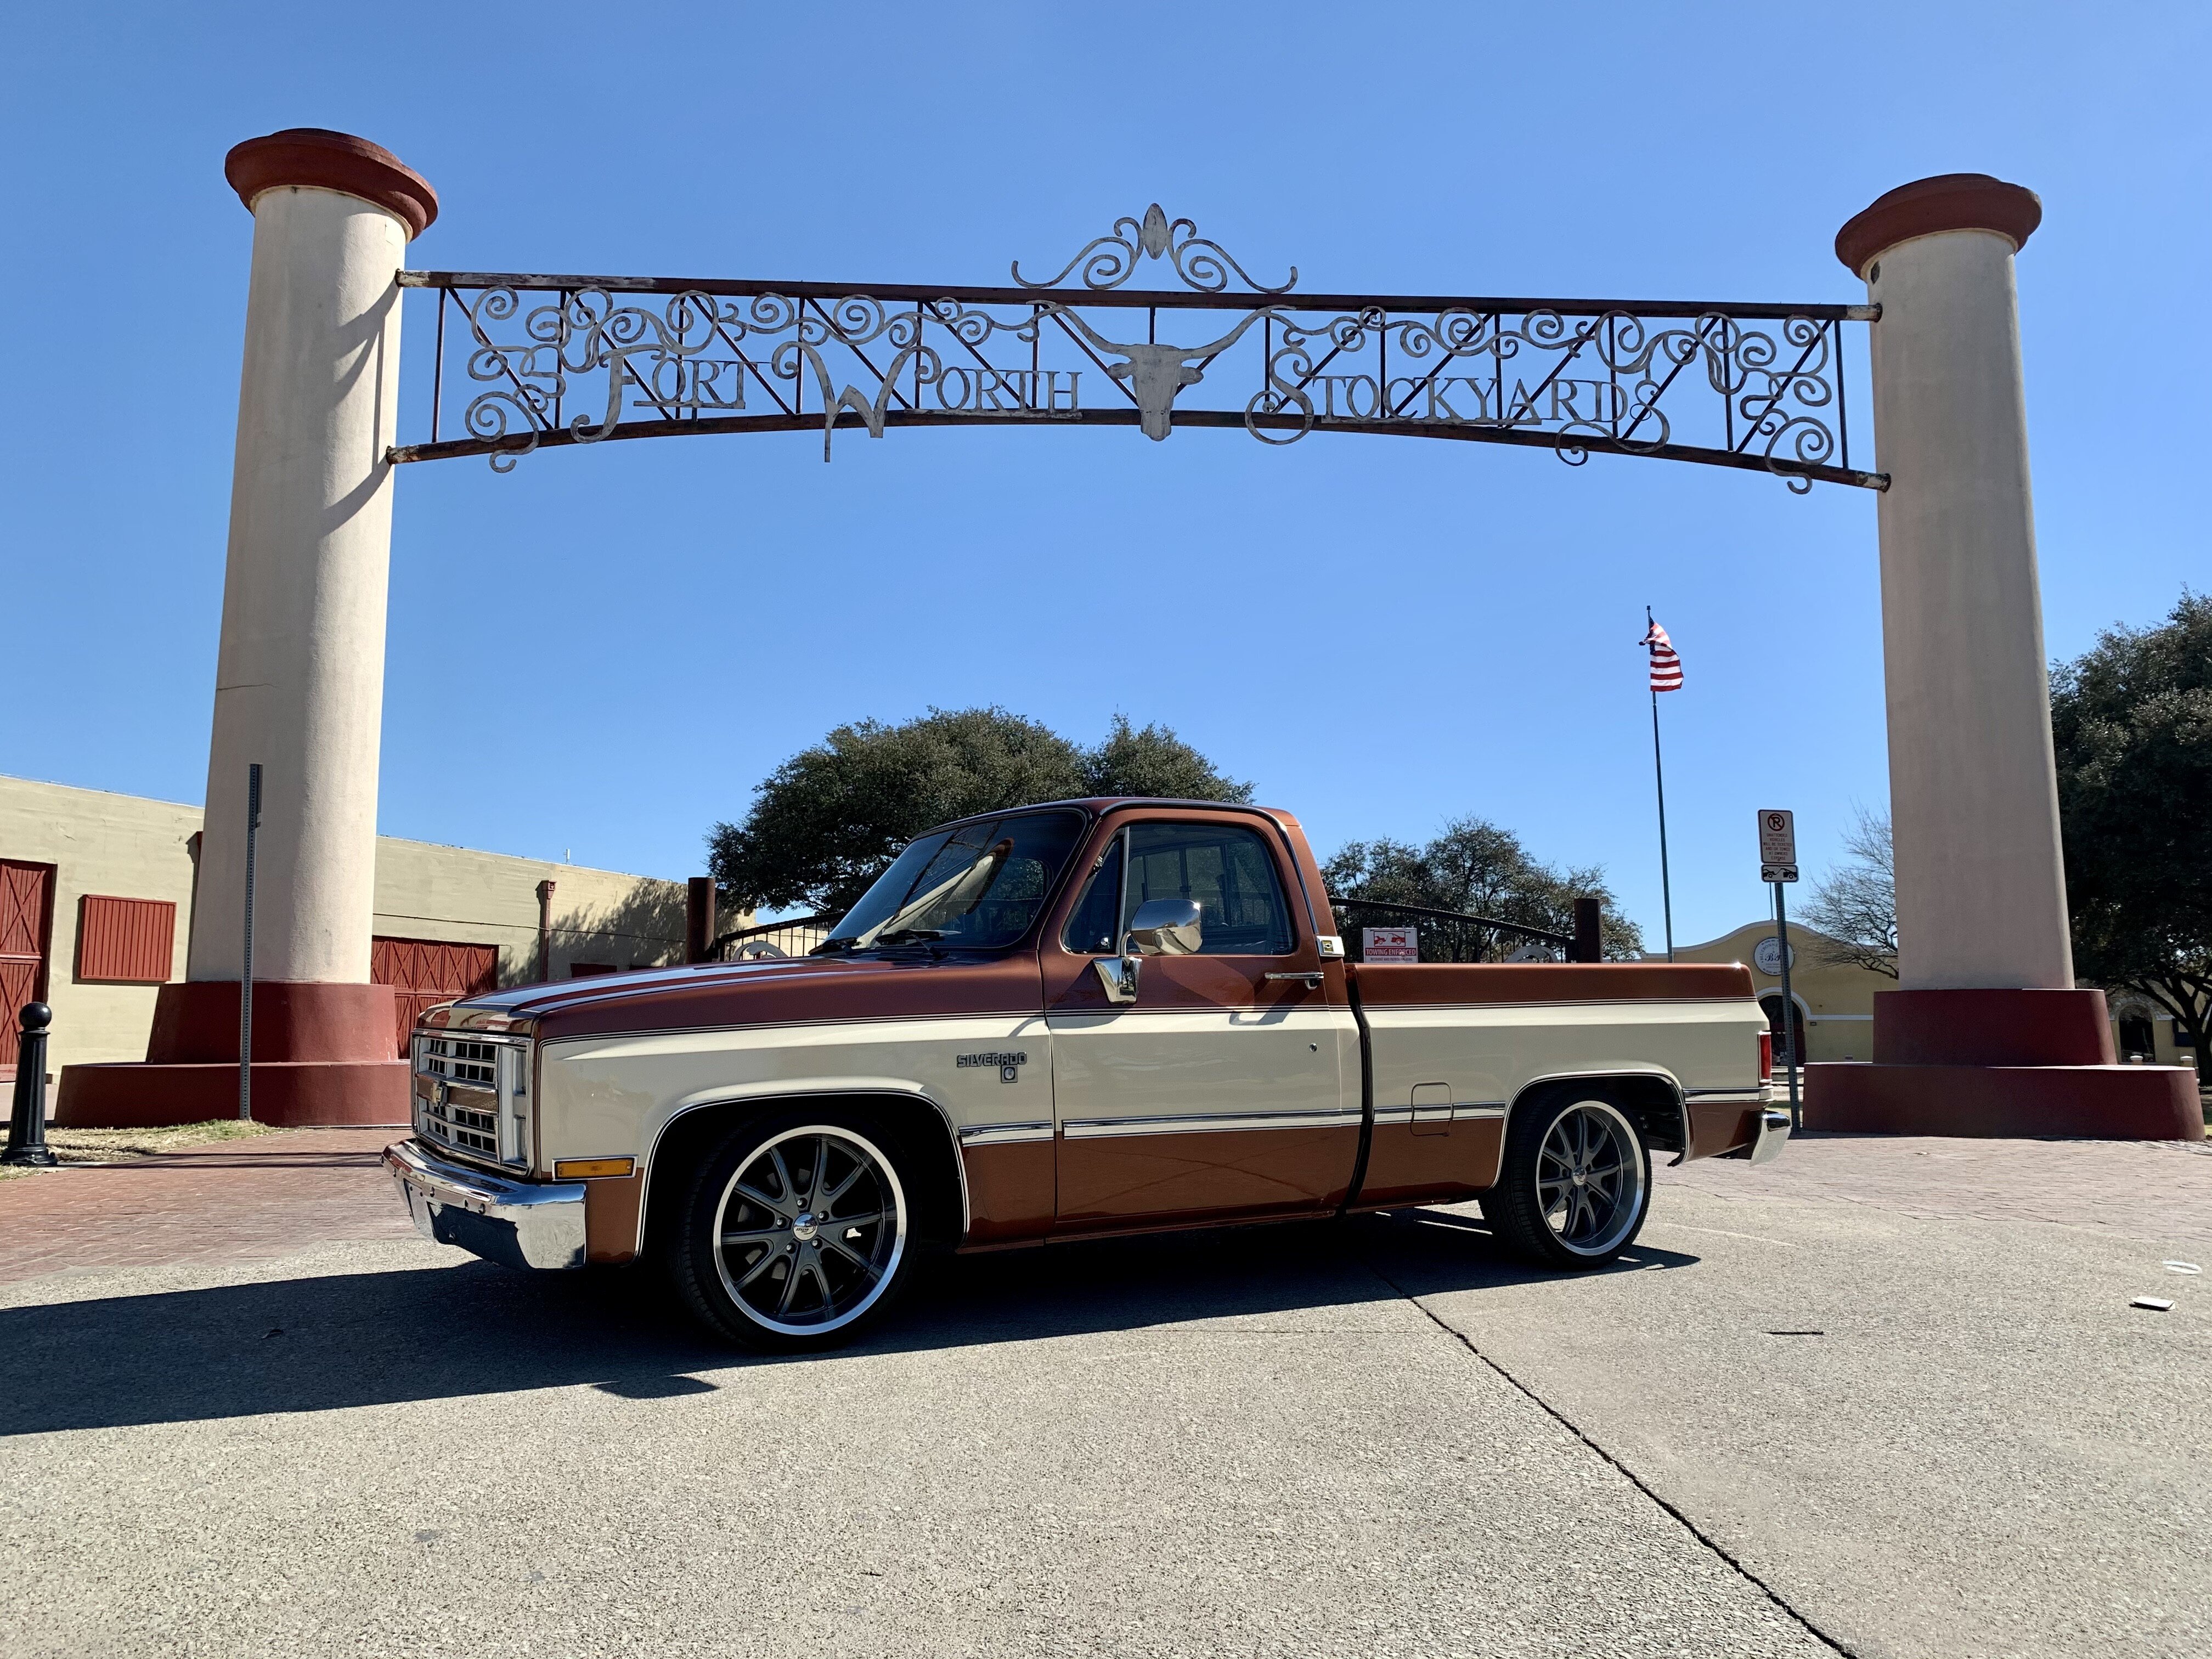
(515, 1102)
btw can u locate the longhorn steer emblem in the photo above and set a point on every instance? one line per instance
(1154, 374)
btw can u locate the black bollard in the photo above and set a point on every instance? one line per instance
(27, 1124)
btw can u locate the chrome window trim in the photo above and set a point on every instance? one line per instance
(1101, 1129)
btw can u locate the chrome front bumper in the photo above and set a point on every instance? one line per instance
(519, 1223)
(1774, 1134)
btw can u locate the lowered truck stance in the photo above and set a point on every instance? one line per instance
(1062, 1022)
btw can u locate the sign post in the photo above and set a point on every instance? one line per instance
(245, 977)
(1777, 863)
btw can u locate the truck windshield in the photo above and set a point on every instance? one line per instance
(979, 885)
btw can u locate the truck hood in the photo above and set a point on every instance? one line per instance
(803, 990)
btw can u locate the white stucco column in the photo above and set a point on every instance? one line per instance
(1987, 1033)
(1981, 889)
(299, 673)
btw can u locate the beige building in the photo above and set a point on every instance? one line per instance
(96, 895)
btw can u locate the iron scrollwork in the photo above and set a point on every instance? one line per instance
(1110, 260)
(567, 361)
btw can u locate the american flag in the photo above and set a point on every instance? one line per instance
(1666, 666)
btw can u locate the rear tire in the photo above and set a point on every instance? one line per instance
(1574, 1184)
(796, 1231)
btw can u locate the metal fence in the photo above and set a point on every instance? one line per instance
(1451, 935)
(794, 935)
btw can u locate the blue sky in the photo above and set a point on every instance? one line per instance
(603, 651)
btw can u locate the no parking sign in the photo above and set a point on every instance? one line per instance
(1778, 845)
(1389, 944)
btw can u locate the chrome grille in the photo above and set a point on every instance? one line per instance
(460, 1060)
(458, 1090)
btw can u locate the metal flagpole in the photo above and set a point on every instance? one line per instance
(245, 977)
(1659, 778)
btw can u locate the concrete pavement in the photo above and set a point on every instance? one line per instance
(1377, 1437)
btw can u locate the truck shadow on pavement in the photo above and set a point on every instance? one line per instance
(331, 1341)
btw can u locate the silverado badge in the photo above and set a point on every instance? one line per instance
(1010, 1066)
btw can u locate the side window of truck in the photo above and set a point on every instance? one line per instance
(1226, 868)
(1090, 930)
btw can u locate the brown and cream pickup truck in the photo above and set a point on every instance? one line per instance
(1062, 1022)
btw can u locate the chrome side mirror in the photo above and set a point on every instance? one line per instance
(1164, 928)
(1161, 927)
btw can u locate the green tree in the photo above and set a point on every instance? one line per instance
(2132, 721)
(1476, 867)
(825, 823)
(1153, 761)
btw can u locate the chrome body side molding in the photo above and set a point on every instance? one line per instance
(1099, 1128)
(1004, 1134)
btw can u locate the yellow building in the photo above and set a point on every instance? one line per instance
(1835, 1003)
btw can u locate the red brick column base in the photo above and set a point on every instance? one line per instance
(1990, 1063)
(323, 1054)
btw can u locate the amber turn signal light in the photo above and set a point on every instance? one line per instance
(579, 1168)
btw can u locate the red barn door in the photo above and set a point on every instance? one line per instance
(27, 931)
(427, 972)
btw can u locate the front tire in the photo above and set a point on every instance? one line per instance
(1574, 1184)
(796, 1231)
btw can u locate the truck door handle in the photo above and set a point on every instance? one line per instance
(1313, 978)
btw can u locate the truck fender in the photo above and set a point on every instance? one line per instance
(688, 1115)
(1662, 1112)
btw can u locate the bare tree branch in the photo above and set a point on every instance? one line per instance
(1853, 909)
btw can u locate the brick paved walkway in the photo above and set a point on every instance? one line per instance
(2143, 1189)
(243, 1200)
(228, 1201)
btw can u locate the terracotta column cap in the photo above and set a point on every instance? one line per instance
(1949, 201)
(331, 160)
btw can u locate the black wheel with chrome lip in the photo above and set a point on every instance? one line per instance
(796, 1232)
(1575, 1183)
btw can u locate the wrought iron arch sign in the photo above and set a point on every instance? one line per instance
(551, 361)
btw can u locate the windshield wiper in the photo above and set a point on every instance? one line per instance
(909, 938)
